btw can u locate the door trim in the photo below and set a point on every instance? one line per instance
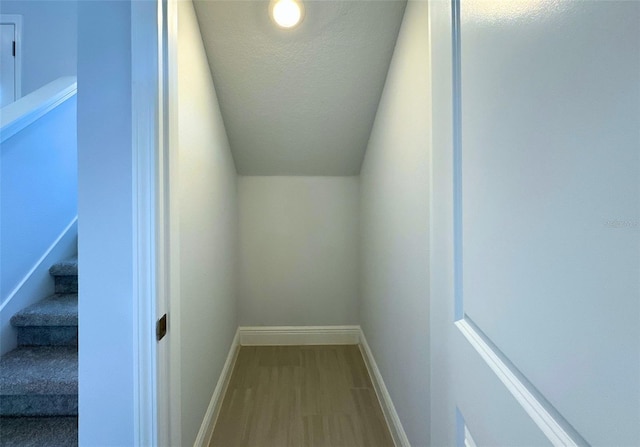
(555, 427)
(146, 98)
(16, 20)
(170, 218)
(157, 405)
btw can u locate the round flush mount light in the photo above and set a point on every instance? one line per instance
(286, 13)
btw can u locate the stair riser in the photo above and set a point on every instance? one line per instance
(38, 405)
(66, 284)
(38, 380)
(48, 336)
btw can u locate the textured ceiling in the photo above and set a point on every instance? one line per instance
(301, 101)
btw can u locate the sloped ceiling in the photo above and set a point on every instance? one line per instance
(301, 101)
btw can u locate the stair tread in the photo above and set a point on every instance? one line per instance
(39, 431)
(65, 268)
(57, 310)
(40, 370)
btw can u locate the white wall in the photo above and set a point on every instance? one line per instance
(49, 40)
(39, 190)
(105, 230)
(298, 251)
(38, 202)
(208, 226)
(394, 218)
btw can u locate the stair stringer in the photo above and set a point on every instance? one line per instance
(36, 284)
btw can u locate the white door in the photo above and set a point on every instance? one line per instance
(536, 228)
(7, 64)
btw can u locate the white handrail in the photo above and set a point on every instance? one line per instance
(19, 114)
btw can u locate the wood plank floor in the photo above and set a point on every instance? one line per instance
(296, 396)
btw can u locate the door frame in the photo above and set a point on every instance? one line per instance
(157, 411)
(16, 21)
(170, 217)
(145, 101)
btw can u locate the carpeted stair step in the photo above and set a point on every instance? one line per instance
(39, 381)
(39, 431)
(65, 275)
(50, 322)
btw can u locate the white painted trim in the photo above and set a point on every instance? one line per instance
(298, 335)
(16, 116)
(388, 409)
(213, 411)
(16, 20)
(38, 263)
(468, 439)
(552, 428)
(168, 388)
(144, 130)
(171, 221)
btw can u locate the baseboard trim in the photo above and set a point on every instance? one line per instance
(301, 335)
(298, 335)
(213, 410)
(393, 421)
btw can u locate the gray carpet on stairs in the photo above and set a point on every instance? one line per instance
(65, 268)
(39, 432)
(50, 322)
(66, 276)
(39, 379)
(57, 310)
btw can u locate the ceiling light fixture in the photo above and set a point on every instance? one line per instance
(286, 13)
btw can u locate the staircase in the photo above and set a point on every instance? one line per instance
(39, 379)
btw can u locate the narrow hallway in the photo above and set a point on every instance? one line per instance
(290, 145)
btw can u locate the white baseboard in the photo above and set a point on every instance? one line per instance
(298, 335)
(301, 335)
(211, 416)
(393, 421)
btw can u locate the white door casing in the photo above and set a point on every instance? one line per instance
(157, 390)
(154, 93)
(536, 219)
(7, 64)
(10, 58)
(147, 143)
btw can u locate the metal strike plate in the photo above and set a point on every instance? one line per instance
(161, 327)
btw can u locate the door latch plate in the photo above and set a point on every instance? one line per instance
(161, 327)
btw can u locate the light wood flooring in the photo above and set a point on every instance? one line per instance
(297, 396)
